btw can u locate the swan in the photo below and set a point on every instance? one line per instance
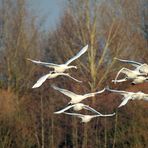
(130, 74)
(76, 107)
(62, 67)
(51, 75)
(129, 95)
(137, 80)
(87, 118)
(75, 98)
(143, 68)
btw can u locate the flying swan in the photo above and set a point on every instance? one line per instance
(137, 80)
(130, 74)
(52, 75)
(129, 95)
(62, 67)
(75, 98)
(143, 68)
(87, 118)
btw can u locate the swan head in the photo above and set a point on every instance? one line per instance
(69, 103)
(52, 72)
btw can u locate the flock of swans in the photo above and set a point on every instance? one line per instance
(138, 75)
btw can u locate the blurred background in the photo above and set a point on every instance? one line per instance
(54, 31)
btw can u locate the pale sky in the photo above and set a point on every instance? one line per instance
(52, 9)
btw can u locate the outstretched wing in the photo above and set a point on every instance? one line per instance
(119, 81)
(123, 70)
(108, 115)
(73, 78)
(64, 109)
(116, 91)
(125, 100)
(94, 93)
(134, 63)
(82, 51)
(74, 114)
(41, 81)
(52, 65)
(65, 91)
(91, 109)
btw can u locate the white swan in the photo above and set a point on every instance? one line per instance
(62, 67)
(130, 74)
(129, 95)
(51, 75)
(137, 80)
(87, 118)
(143, 68)
(75, 98)
(77, 107)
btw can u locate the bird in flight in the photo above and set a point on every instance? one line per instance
(129, 95)
(143, 68)
(87, 118)
(137, 80)
(75, 98)
(62, 67)
(52, 75)
(130, 75)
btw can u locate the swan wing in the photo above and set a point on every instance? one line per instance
(125, 100)
(64, 109)
(65, 91)
(134, 63)
(91, 109)
(116, 91)
(108, 115)
(41, 81)
(119, 81)
(124, 70)
(74, 114)
(44, 63)
(94, 93)
(73, 78)
(82, 51)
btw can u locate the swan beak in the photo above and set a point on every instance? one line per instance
(133, 83)
(69, 104)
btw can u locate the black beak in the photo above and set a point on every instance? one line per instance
(69, 104)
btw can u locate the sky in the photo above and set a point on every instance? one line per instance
(52, 9)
